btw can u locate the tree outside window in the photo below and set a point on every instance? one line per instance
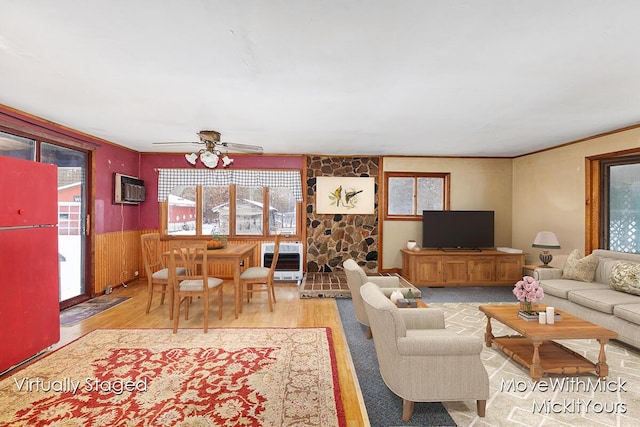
(283, 211)
(249, 211)
(215, 210)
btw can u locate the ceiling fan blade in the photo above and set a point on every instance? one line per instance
(241, 147)
(177, 142)
(211, 139)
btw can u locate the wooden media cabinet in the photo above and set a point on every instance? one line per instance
(431, 267)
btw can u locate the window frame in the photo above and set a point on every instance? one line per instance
(594, 187)
(416, 216)
(605, 166)
(164, 219)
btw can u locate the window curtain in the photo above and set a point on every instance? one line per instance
(170, 178)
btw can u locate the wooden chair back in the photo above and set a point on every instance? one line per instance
(276, 254)
(190, 255)
(193, 281)
(151, 256)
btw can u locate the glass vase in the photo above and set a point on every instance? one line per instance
(526, 306)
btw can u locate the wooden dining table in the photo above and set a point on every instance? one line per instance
(233, 253)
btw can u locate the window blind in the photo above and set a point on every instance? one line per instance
(170, 178)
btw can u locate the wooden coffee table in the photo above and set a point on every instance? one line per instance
(535, 348)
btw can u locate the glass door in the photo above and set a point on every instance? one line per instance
(72, 215)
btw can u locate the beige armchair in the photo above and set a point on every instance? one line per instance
(356, 277)
(421, 361)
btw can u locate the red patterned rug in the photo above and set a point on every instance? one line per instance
(230, 376)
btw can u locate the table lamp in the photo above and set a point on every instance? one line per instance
(546, 240)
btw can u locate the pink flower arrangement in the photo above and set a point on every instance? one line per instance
(528, 290)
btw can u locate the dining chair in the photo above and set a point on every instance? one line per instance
(157, 273)
(195, 282)
(260, 279)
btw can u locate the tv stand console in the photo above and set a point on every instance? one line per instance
(433, 267)
(460, 249)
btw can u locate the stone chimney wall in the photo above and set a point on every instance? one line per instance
(332, 238)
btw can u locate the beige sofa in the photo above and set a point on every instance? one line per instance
(596, 301)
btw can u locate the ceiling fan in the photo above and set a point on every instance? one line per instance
(211, 154)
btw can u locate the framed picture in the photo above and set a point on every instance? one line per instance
(345, 195)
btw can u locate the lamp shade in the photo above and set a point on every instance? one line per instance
(546, 240)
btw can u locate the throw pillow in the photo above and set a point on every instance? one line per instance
(625, 277)
(578, 268)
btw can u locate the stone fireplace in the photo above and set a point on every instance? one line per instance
(332, 238)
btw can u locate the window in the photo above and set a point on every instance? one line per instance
(283, 213)
(182, 210)
(17, 146)
(620, 204)
(408, 194)
(236, 203)
(215, 210)
(249, 211)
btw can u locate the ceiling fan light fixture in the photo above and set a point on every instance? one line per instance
(191, 158)
(210, 156)
(209, 159)
(226, 161)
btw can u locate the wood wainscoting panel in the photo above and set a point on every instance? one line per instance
(118, 256)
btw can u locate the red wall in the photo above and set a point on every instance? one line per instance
(109, 216)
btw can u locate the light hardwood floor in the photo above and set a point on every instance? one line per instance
(289, 311)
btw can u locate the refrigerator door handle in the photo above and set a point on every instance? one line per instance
(22, 227)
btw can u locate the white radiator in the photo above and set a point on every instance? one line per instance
(289, 265)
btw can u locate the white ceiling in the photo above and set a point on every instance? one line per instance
(424, 77)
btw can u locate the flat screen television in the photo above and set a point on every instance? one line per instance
(457, 229)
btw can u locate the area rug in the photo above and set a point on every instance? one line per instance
(76, 314)
(334, 284)
(571, 400)
(229, 376)
(514, 399)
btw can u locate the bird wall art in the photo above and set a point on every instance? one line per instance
(345, 195)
